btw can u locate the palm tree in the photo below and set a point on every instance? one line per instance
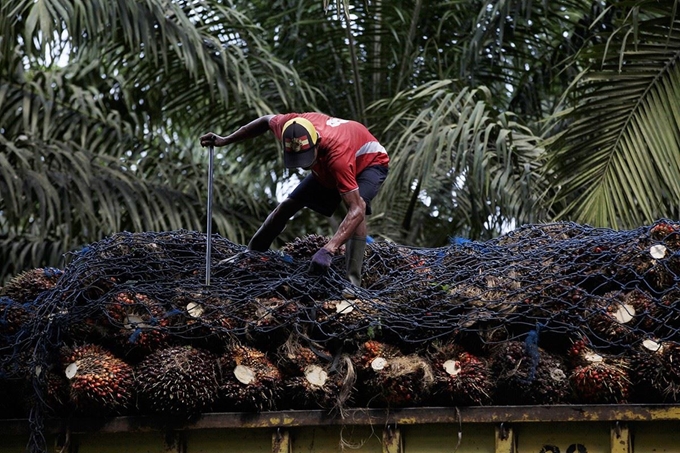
(107, 142)
(492, 113)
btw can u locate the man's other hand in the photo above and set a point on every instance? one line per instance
(321, 261)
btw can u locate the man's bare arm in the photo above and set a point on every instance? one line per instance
(253, 129)
(354, 223)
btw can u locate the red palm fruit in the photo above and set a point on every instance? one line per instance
(99, 382)
(248, 380)
(460, 378)
(601, 382)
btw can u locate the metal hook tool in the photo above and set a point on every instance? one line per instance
(208, 229)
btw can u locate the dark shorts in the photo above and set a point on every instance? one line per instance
(325, 201)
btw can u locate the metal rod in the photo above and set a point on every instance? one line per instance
(208, 229)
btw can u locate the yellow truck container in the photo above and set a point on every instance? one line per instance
(510, 429)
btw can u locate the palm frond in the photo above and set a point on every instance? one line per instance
(617, 164)
(463, 162)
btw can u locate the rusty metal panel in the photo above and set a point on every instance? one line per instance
(228, 440)
(620, 438)
(450, 438)
(331, 439)
(112, 443)
(392, 440)
(281, 441)
(657, 437)
(506, 442)
(578, 437)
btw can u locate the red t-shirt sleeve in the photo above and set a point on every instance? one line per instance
(277, 122)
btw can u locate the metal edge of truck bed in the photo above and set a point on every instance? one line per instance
(379, 417)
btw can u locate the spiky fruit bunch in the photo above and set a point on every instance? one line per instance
(647, 314)
(56, 392)
(354, 318)
(527, 374)
(580, 352)
(270, 320)
(208, 320)
(249, 380)
(390, 378)
(303, 248)
(611, 319)
(293, 358)
(140, 323)
(13, 316)
(99, 382)
(401, 381)
(658, 266)
(320, 383)
(371, 350)
(268, 312)
(655, 372)
(667, 232)
(666, 312)
(460, 378)
(179, 381)
(601, 383)
(28, 285)
(384, 259)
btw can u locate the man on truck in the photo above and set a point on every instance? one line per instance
(347, 164)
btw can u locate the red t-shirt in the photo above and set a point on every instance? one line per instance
(346, 149)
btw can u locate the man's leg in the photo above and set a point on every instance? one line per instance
(274, 224)
(369, 182)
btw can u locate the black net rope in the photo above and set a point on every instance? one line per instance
(546, 314)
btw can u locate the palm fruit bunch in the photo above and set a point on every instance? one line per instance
(390, 378)
(460, 378)
(269, 320)
(655, 371)
(13, 316)
(666, 232)
(140, 324)
(611, 319)
(303, 248)
(597, 378)
(28, 285)
(99, 382)
(667, 313)
(540, 235)
(657, 264)
(181, 381)
(249, 380)
(648, 315)
(384, 260)
(209, 320)
(56, 391)
(477, 337)
(316, 379)
(527, 374)
(356, 318)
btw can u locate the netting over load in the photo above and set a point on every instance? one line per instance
(547, 314)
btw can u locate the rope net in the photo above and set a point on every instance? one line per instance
(555, 313)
